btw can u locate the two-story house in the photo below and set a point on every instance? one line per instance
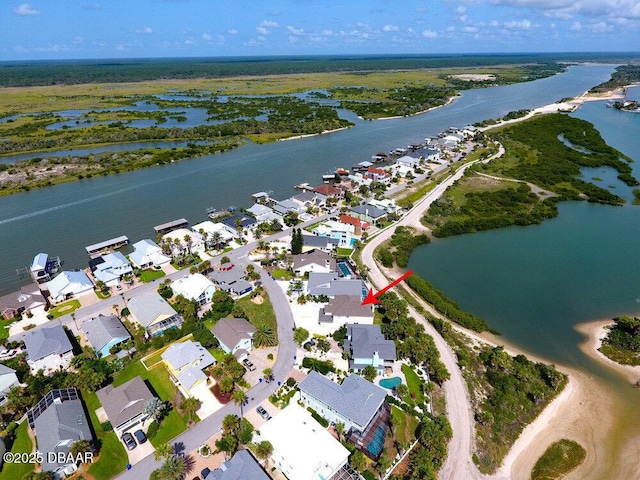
(48, 349)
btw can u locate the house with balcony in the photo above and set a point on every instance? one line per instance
(366, 346)
(185, 362)
(154, 313)
(125, 404)
(235, 336)
(147, 254)
(110, 268)
(194, 287)
(48, 349)
(103, 332)
(313, 261)
(344, 309)
(69, 284)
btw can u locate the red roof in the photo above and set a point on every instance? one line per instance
(327, 190)
(378, 171)
(353, 221)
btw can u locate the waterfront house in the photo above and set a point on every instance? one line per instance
(184, 240)
(239, 221)
(69, 284)
(44, 268)
(329, 191)
(386, 205)
(103, 332)
(194, 287)
(356, 403)
(263, 198)
(309, 199)
(331, 284)
(288, 206)
(170, 226)
(378, 175)
(235, 336)
(302, 448)
(343, 309)
(242, 466)
(408, 161)
(48, 349)
(216, 235)
(152, 312)
(125, 405)
(368, 213)
(262, 213)
(367, 346)
(58, 421)
(333, 229)
(312, 242)
(185, 362)
(27, 300)
(8, 380)
(231, 280)
(359, 225)
(313, 261)
(147, 254)
(110, 268)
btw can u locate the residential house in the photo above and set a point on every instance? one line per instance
(368, 213)
(110, 268)
(386, 205)
(184, 240)
(302, 448)
(359, 225)
(288, 206)
(312, 242)
(153, 312)
(231, 280)
(27, 300)
(363, 166)
(327, 190)
(44, 268)
(408, 161)
(147, 254)
(262, 197)
(262, 213)
(356, 403)
(344, 233)
(216, 235)
(242, 466)
(185, 362)
(331, 284)
(125, 405)
(343, 309)
(239, 221)
(172, 225)
(103, 332)
(367, 346)
(48, 349)
(194, 287)
(308, 199)
(235, 335)
(313, 261)
(69, 284)
(59, 421)
(378, 175)
(8, 380)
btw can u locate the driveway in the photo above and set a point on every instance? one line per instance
(140, 452)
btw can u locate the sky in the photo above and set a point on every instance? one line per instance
(81, 29)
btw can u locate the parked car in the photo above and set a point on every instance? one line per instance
(247, 363)
(128, 440)
(140, 436)
(204, 472)
(263, 413)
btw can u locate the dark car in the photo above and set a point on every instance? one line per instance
(140, 436)
(128, 440)
(204, 472)
(263, 413)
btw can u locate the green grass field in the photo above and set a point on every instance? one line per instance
(147, 276)
(64, 308)
(414, 384)
(22, 444)
(262, 312)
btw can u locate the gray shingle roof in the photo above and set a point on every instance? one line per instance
(59, 422)
(368, 210)
(331, 284)
(317, 241)
(348, 306)
(186, 353)
(124, 402)
(317, 257)
(46, 341)
(231, 330)
(148, 307)
(367, 339)
(356, 398)
(242, 466)
(103, 329)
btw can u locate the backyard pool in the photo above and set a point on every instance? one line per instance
(390, 383)
(377, 442)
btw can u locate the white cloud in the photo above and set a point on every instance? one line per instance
(295, 31)
(232, 31)
(206, 37)
(327, 33)
(470, 29)
(576, 26)
(262, 30)
(269, 23)
(461, 10)
(411, 32)
(429, 34)
(518, 25)
(92, 6)
(52, 49)
(189, 42)
(390, 28)
(26, 10)
(145, 30)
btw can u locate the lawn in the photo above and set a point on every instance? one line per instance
(415, 385)
(259, 312)
(217, 353)
(158, 377)
(147, 276)
(4, 328)
(281, 274)
(113, 457)
(22, 444)
(64, 308)
(344, 252)
(406, 425)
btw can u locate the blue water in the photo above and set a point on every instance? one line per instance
(376, 444)
(390, 383)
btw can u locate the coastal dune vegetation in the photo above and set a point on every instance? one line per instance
(622, 343)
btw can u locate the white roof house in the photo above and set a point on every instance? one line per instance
(8, 380)
(153, 312)
(195, 287)
(69, 284)
(147, 253)
(110, 268)
(195, 245)
(291, 433)
(210, 229)
(408, 161)
(185, 362)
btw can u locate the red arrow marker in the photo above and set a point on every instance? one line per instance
(373, 298)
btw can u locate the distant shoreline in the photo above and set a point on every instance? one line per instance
(324, 132)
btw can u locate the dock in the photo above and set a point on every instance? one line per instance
(304, 186)
(107, 246)
(171, 226)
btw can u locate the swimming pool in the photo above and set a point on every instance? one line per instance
(344, 269)
(390, 383)
(377, 442)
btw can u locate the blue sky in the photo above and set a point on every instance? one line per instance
(69, 29)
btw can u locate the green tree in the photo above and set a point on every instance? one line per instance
(358, 461)
(268, 374)
(226, 384)
(80, 447)
(189, 406)
(370, 373)
(156, 409)
(244, 433)
(263, 451)
(402, 390)
(340, 430)
(264, 336)
(323, 345)
(239, 398)
(224, 260)
(228, 445)
(300, 335)
(164, 450)
(230, 424)
(174, 468)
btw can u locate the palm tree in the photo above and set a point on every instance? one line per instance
(174, 468)
(216, 238)
(230, 424)
(164, 450)
(80, 447)
(268, 375)
(263, 451)
(264, 336)
(239, 398)
(189, 406)
(155, 408)
(383, 465)
(227, 444)
(187, 241)
(340, 430)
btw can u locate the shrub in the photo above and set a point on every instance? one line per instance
(153, 430)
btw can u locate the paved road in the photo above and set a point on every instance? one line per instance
(458, 464)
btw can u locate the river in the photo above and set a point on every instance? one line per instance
(63, 219)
